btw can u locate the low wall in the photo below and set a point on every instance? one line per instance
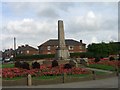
(46, 81)
(60, 79)
(19, 82)
(59, 62)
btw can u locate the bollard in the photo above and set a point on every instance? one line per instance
(87, 64)
(29, 80)
(64, 76)
(93, 75)
(117, 71)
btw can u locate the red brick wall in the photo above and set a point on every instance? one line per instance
(52, 50)
(31, 52)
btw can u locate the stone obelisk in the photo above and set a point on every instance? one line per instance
(62, 52)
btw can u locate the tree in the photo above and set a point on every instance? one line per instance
(104, 49)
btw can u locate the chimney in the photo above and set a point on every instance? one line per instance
(80, 41)
(26, 45)
(22, 45)
(19, 47)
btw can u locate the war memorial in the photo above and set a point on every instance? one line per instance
(61, 69)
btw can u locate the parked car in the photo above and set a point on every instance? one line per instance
(6, 59)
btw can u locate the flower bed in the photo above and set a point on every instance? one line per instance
(43, 71)
(105, 64)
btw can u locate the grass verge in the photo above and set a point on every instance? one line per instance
(103, 67)
(7, 65)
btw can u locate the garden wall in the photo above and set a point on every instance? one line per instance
(60, 79)
(20, 82)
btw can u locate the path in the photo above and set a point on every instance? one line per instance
(102, 83)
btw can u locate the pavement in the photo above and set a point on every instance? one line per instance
(111, 82)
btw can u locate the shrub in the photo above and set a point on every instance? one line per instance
(54, 63)
(25, 65)
(119, 58)
(111, 58)
(31, 57)
(97, 59)
(18, 64)
(35, 65)
(67, 66)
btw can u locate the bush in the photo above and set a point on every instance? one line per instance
(67, 66)
(54, 63)
(25, 65)
(97, 59)
(119, 59)
(18, 64)
(31, 57)
(35, 65)
(111, 58)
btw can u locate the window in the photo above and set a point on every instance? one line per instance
(49, 53)
(48, 47)
(21, 52)
(70, 47)
(80, 47)
(27, 51)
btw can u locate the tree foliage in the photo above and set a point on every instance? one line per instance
(104, 49)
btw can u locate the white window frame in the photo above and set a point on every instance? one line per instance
(80, 47)
(48, 52)
(71, 47)
(28, 51)
(48, 47)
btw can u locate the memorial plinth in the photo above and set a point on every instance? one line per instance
(62, 52)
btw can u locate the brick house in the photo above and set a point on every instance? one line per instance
(26, 50)
(50, 46)
(8, 53)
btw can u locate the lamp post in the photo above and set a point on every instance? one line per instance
(14, 49)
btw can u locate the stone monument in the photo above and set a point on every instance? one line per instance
(62, 52)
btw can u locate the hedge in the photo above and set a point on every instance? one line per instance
(82, 54)
(43, 56)
(35, 56)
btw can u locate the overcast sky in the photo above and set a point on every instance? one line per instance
(34, 23)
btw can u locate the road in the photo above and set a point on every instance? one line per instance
(102, 83)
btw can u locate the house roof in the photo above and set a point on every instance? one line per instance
(26, 47)
(67, 41)
(9, 51)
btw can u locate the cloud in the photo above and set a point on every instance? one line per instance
(29, 31)
(34, 23)
(28, 26)
(48, 12)
(39, 9)
(94, 40)
(91, 22)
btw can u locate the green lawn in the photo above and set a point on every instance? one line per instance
(78, 75)
(15, 78)
(45, 77)
(7, 65)
(103, 67)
